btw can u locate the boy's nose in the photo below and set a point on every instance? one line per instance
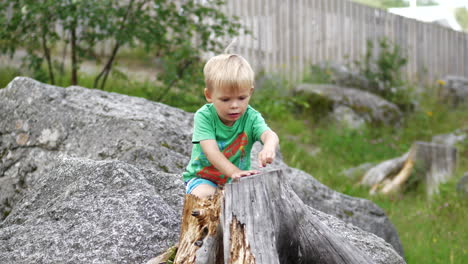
(234, 104)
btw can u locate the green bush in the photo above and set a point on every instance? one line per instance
(382, 67)
(319, 75)
(272, 97)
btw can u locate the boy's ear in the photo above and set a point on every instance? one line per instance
(208, 95)
(251, 90)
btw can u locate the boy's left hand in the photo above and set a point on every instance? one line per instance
(266, 156)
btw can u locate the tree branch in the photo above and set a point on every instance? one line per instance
(47, 56)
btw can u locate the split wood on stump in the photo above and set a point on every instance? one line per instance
(259, 219)
(432, 163)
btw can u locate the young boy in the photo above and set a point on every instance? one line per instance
(226, 128)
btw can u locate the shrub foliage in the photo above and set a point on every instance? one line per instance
(168, 30)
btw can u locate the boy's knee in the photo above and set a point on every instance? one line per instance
(204, 191)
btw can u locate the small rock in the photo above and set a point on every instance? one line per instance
(462, 185)
(369, 107)
(454, 90)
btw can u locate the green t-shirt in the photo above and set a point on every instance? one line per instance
(235, 142)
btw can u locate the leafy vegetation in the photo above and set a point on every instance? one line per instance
(382, 68)
(431, 230)
(384, 4)
(165, 29)
(379, 71)
(461, 14)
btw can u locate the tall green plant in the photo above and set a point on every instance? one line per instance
(382, 67)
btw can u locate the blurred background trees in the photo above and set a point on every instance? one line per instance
(393, 3)
(462, 17)
(51, 32)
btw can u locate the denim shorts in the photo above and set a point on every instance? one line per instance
(193, 183)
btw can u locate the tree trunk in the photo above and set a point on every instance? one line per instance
(108, 67)
(47, 57)
(64, 53)
(428, 162)
(180, 72)
(74, 61)
(259, 220)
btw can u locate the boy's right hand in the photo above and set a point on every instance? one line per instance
(219, 161)
(241, 174)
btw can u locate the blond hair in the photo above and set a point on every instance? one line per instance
(228, 71)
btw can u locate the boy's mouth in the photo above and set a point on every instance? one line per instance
(234, 115)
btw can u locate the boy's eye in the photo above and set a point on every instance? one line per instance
(242, 98)
(224, 99)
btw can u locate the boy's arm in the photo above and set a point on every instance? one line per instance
(220, 162)
(270, 141)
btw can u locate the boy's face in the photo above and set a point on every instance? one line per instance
(230, 104)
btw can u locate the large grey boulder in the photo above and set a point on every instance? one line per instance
(66, 141)
(371, 108)
(377, 249)
(359, 212)
(88, 211)
(39, 121)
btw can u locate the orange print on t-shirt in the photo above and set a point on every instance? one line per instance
(213, 174)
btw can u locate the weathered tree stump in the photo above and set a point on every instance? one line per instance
(259, 220)
(200, 239)
(431, 163)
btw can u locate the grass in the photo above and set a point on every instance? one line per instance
(7, 74)
(431, 230)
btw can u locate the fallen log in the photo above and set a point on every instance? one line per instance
(427, 162)
(260, 219)
(377, 174)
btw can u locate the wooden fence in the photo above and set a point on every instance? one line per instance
(290, 35)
